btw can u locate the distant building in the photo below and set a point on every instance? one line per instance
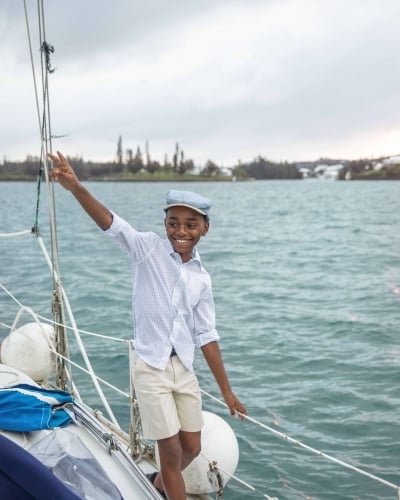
(393, 160)
(328, 172)
(306, 172)
(386, 162)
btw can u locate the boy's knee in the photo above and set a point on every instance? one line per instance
(192, 451)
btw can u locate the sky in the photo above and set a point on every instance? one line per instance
(229, 80)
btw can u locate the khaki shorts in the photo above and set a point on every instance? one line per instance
(169, 400)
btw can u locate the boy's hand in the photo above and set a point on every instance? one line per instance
(235, 406)
(62, 172)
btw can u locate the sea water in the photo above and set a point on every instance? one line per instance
(306, 279)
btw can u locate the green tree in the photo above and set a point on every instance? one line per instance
(119, 151)
(175, 158)
(210, 169)
(260, 168)
(136, 163)
(153, 167)
(239, 170)
(186, 167)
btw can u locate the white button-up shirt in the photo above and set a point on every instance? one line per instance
(172, 301)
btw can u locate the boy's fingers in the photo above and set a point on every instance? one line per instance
(59, 158)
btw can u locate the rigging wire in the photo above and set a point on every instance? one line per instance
(46, 147)
(76, 334)
(13, 235)
(45, 50)
(309, 448)
(286, 437)
(35, 228)
(47, 320)
(58, 313)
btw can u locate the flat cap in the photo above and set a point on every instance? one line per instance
(200, 204)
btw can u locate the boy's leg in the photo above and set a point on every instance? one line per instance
(170, 400)
(176, 453)
(191, 447)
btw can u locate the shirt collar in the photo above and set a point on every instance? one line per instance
(171, 251)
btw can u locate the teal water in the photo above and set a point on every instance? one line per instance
(307, 288)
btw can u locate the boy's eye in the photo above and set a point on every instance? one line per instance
(189, 226)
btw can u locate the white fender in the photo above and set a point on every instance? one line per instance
(219, 445)
(27, 349)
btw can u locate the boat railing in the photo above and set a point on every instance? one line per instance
(218, 401)
(138, 446)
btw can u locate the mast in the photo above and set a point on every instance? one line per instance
(46, 146)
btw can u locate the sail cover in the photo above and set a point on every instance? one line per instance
(67, 456)
(24, 407)
(22, 476)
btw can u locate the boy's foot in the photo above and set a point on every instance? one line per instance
(151, 477)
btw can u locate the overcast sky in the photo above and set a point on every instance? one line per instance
(227, 79)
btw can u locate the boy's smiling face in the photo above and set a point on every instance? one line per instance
(184, 228)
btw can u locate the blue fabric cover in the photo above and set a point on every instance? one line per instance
(23, 477)
(24, 407)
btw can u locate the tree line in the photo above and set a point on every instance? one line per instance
(139, 165)
(258, 169)
(129, 165)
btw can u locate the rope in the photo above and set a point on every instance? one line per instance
(309, 448)
(45, 138)
(11, 295)
(32, 65)
(250, 419)
(35, 228)
(68, 360)
(43, 121)
(79, 367)
(76, 333)
(15, 235)
(237, 479)
(99, 335)
(85, 332)
(78, 338)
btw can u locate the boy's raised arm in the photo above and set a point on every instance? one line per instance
(63, 173)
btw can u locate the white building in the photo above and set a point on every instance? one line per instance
(328, 172)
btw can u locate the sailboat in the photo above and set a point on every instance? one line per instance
(57, 445)
(54, 442)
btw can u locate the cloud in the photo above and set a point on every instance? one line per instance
(229, 80)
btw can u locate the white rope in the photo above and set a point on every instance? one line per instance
(85, 332)
(33, 70)
(11, 295)
(90, 370)
(50, 321)
(237, 479)
(116, 389)
(309, 448)
(68, 360)
(76, 333)
(13, 235)
(78, 338)
(260, 424)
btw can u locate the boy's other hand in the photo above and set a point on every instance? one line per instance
(62, 171)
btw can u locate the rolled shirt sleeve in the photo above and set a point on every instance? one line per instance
(204, 319)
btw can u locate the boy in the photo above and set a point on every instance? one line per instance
(173, 312)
